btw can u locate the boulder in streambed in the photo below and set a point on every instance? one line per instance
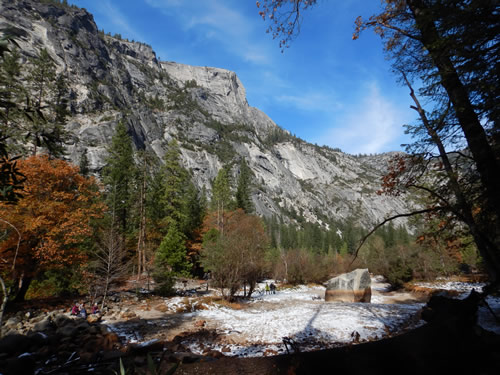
(354, 286)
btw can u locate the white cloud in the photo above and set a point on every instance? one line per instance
(370, 126)
(119, 20)
(216, 20)
(311, 101)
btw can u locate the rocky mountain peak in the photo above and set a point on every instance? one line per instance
(204, 108)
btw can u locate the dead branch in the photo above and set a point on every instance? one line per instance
(374, 229)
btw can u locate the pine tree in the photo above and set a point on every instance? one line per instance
(176, 182)
(47, 105)
(195, 210)
(84, 164)
(42, 77)
(10, 86)
(221, 197)
(10, 90)
(142, 179)
(170, 260)
(243, 193)
(171, 255)
(221, 191)
(60, 102)
(155, 210)
(11, 96)
(118, 175)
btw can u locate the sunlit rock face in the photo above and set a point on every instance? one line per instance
(354, 286)
(204, 108)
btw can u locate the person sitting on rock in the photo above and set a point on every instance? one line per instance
(75, 310)
(83, 312)
(95, 309)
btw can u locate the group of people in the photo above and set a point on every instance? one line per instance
(270, 289)
(81, 311)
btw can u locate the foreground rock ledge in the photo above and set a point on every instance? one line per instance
(354, 286)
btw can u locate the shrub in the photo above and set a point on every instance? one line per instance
(164, 283)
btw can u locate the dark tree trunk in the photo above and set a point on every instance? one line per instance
(21, 293)
(477, 140)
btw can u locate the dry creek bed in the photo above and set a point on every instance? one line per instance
(258, 327)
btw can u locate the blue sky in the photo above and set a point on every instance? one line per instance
(326, 88)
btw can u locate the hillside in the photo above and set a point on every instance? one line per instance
(204, 108)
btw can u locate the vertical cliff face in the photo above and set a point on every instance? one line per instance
(204, 108)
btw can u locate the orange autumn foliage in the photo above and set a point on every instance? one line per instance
(53, 216)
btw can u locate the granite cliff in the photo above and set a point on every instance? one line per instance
(204, 108)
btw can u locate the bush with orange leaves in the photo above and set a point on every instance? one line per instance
(53, 217)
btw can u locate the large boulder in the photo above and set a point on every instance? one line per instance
(354, 286)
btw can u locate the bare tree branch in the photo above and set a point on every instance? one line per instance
(18, 242)
(374, 229)
(5, 290)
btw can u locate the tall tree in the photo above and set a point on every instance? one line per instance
(33, 103)
(53, 218)
(243, 190)
(118, 175)
(171, 259)
(47, 104)
(181, 214)
(108, 263)
(84, 164)
(142, 177)
(10, 92)
(176, 184)
(221, 191)
(221, 196)
(237, 255)
(155, 211)
(452, 48)
(195, 209)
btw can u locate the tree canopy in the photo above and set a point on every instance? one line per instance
(451, 48)
(53, 217)
(235, 255)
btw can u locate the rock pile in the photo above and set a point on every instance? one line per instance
(56, 342)
(56, 338)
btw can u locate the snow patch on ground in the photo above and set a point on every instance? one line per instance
(485, 318)
(311, 324)
(463, 288)
(301, 315)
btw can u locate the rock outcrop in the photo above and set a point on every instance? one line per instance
(204, 108)
(354, 286)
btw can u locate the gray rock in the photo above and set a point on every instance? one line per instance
(12, 322)
(83, 325)
(43, 324)
(22, 365)
(61, 320)
(185, 357)
(69, 330)
(354, 286)
(93, 318)
(15, 343)
(9, 332)
(39, 339)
